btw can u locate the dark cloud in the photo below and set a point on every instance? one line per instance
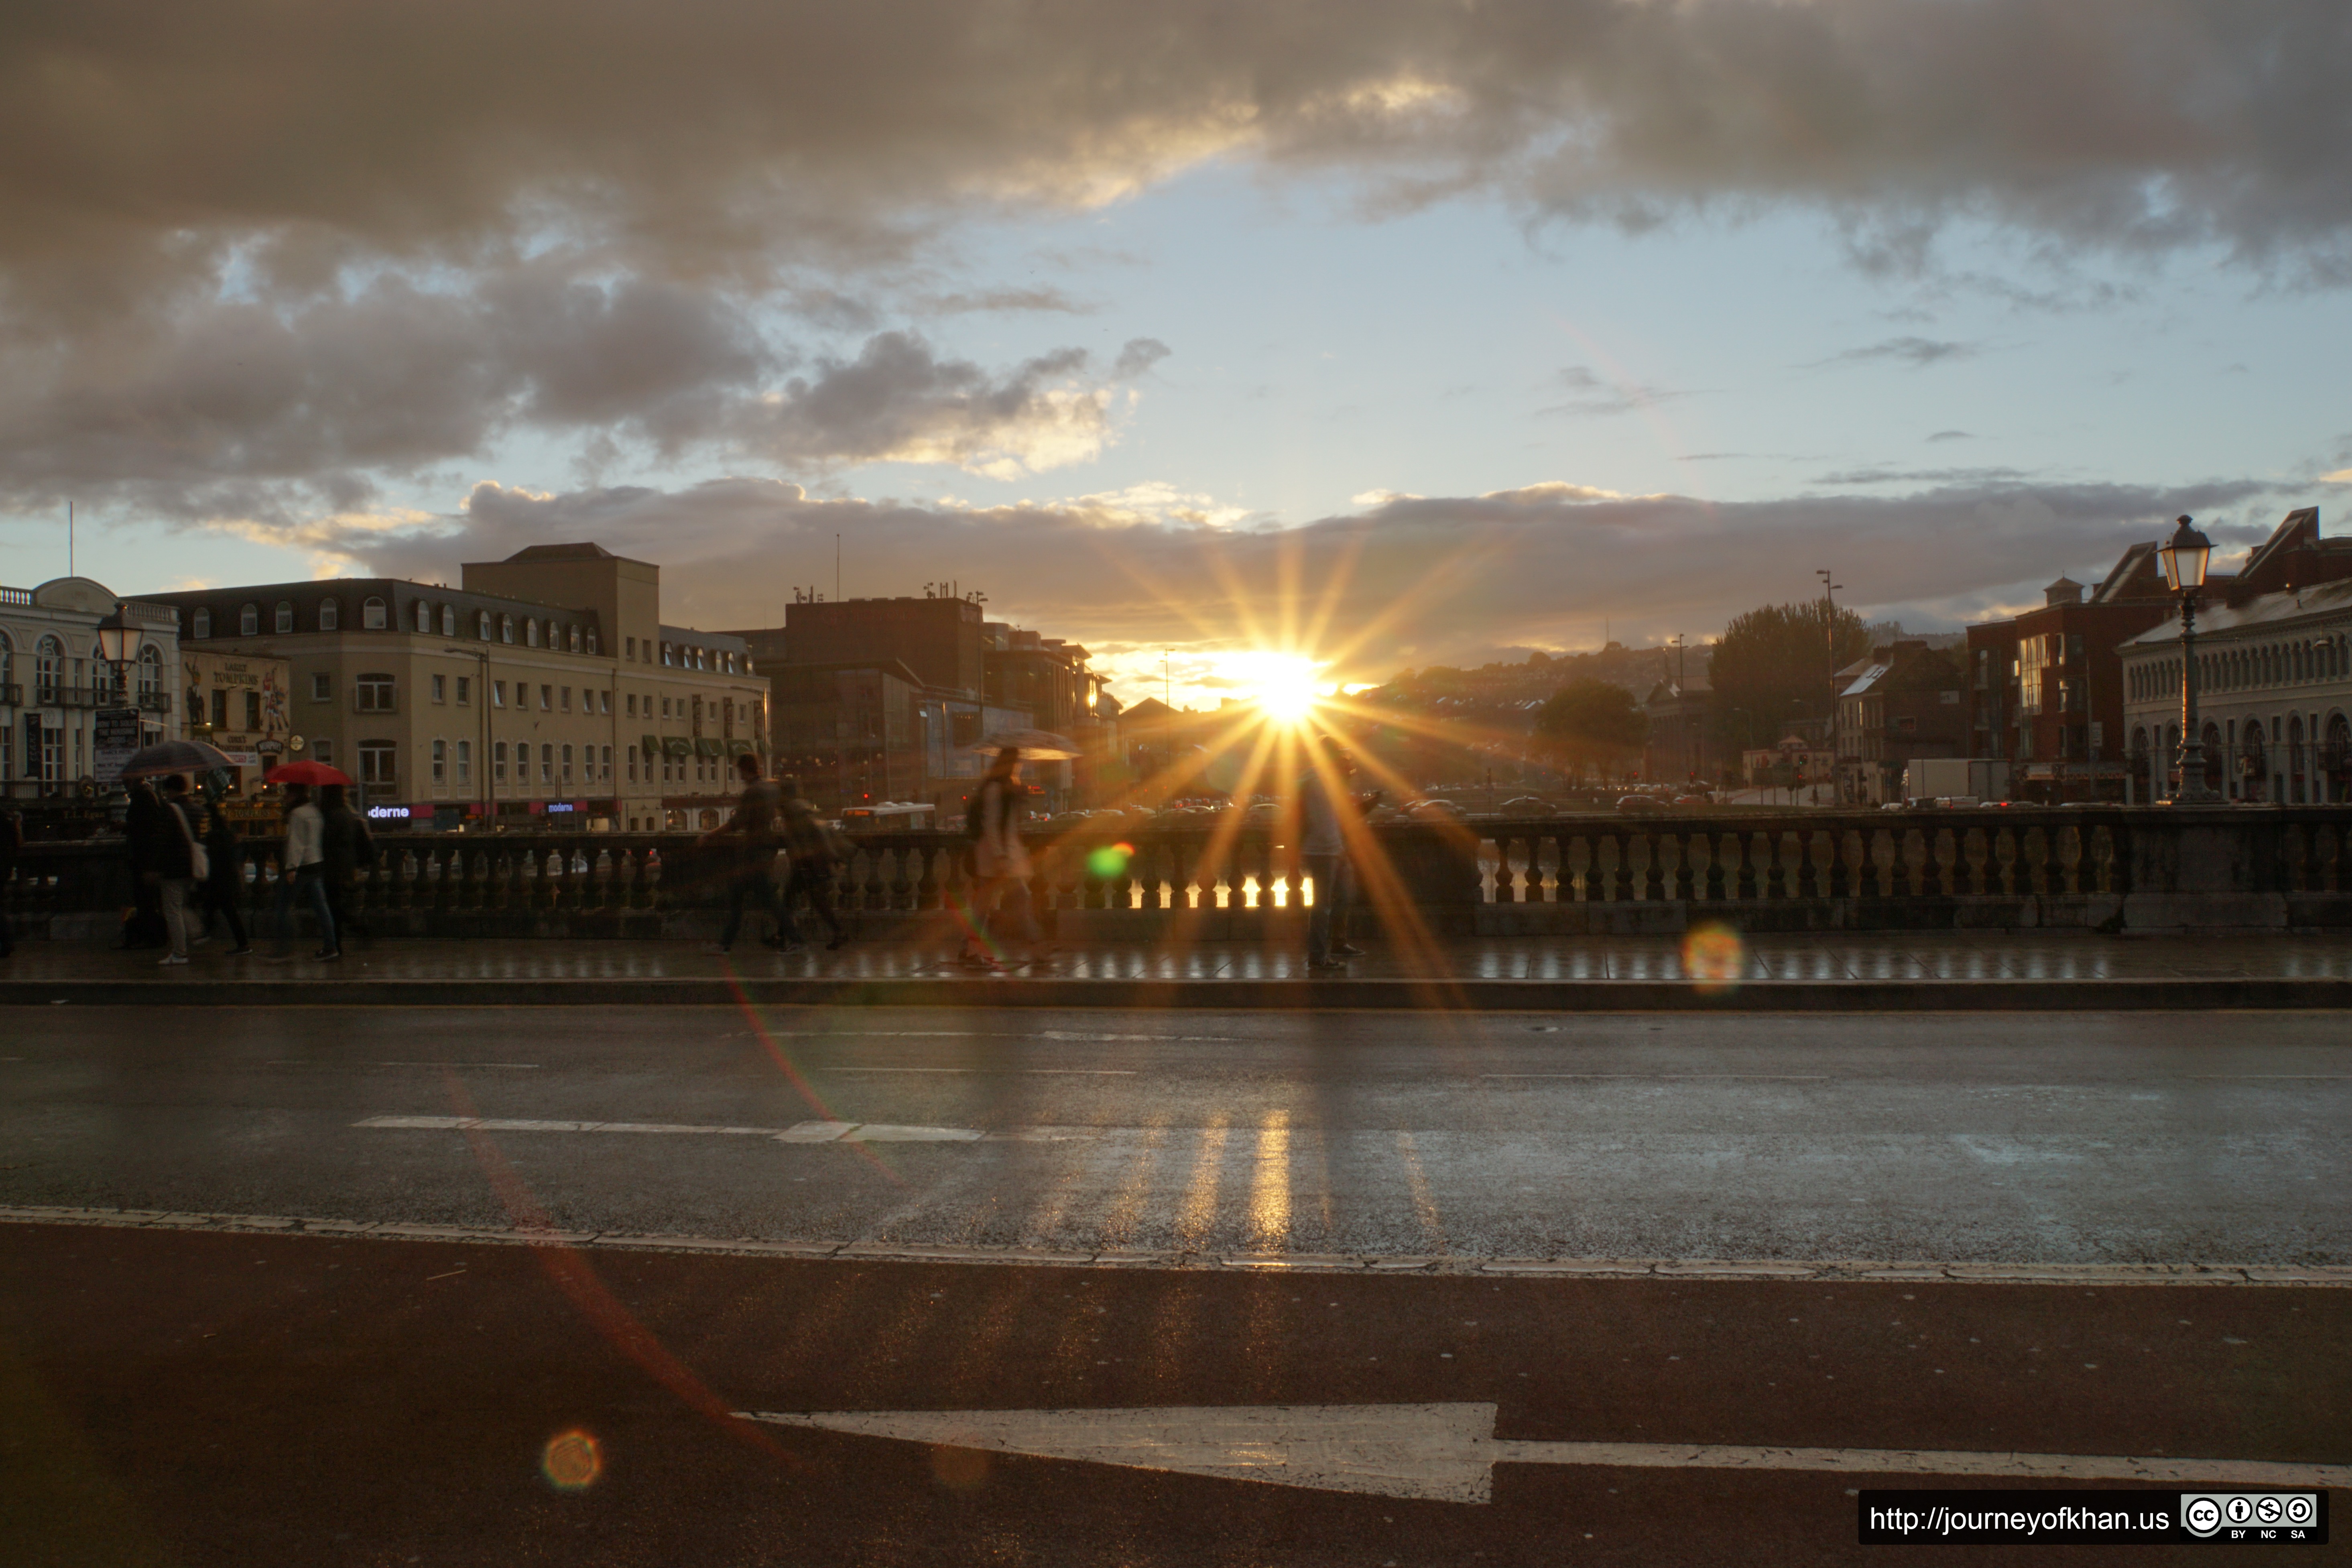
(1917, 352)
(1953, 435)
(1410, 581)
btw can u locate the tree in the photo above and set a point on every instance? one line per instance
(1772, 667)
(1591, 724)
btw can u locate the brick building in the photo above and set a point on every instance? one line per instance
(1903, 702)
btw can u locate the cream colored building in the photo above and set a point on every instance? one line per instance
(53, 684)
(543, 692)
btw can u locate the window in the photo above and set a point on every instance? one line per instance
(567, 767)
(375, 694)
(531, 632)
(252, 713)
(284, 619)
(377, 760)
(607, 764)
(482, 625)
(448, 620)
(575, 639)
(669, 654)
(424, 618)
(440, 689)
(546, 698)
(465, 764)
(322, 750)
(202, 627)
(665, 707)
(632, 650)
(566, 703)
(499, 763)
(546, 764)
(591, 639)
(498, 693)
(506, 628)
(465, 691)
(220, 709)
(632, 765)
(151, 669)
(603, 703)
(331, 614)
(248, 620)
(631, 700)
(374, 616)
(440, 764)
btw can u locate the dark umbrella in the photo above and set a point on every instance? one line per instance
(306, 773)
(174, 757)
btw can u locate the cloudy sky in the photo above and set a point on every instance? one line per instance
(1406, 331)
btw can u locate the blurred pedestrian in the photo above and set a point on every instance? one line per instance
(349, 852)
(143, 837)
(178, 863)
(302, 876)
(223, 892)
(12, 845)
(1000, 867)
(1326, 805)
(816, 855)
(752, 827)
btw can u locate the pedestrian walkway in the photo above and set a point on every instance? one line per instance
(1831, 970)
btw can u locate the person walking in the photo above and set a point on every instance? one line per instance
(815, 861)
(176, 859)
(753, 826)
(1325, 807)
(12, 844)
(302, 876)
(222, 891)
(143, 838)
(1000, 867)
(346, 848)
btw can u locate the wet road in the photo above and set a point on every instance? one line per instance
(170, 1396)
(2217, 1138)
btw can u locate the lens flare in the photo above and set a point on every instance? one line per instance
(572, 1462)
(1282, 685)
(1715, 958)
(1107, 862)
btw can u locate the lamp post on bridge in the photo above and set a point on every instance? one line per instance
(2184, 555)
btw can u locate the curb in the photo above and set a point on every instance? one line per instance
(1230, 995)
(1817, 1270)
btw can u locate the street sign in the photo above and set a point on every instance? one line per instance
(114, 735)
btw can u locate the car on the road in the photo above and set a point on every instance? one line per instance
(1640, 805)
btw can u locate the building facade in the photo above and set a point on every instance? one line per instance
(544, 692)
(2274, 701)
(242, 705)
(53, 684)
(1900, 704)
(1681, 747)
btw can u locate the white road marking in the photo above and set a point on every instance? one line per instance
(468, 1066)
(1672, 1077)
(1012, 1072)
(800, 1132)
(1447, 1452)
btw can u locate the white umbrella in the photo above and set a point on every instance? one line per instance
(1034, 745)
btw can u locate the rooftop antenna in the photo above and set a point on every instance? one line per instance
(69, 533)
(836, 568)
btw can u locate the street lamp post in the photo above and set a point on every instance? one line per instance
(2184, 556)
(119, 640)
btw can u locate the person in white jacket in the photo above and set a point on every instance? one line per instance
(302, 874)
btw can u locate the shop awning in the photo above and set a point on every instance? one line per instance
(706, 747)
(652, 743)
(679, 746)
(739, 748)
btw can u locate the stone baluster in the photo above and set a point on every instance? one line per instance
(1716, 889)
(1620, 881)
(1654, 864)
(1931, 861)
(1686, 879)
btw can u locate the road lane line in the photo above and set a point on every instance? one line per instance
(1007, 1073)
(1447, 1452)
(1672, 1077)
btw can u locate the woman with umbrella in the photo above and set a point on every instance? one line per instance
(163, 843)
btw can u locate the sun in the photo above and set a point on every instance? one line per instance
(1283, 685)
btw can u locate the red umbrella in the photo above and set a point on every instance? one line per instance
(305, 773)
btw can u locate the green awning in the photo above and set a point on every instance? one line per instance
(739, 748)
(706, 747)
(652, 743)
(679, 746)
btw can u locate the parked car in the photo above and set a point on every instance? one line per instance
(1639, 805)
(1525, 805)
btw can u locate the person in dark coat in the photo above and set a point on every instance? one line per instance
(144, 826)
(224, 886)
(175, 866)
(814, 865)
(750, 871)
(348, 850)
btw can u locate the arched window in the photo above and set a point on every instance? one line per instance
(531, 632)
(497, 757)
(424, 618)
(482, 625)
(448, 620)
(374, 616)
(202, 624)
(281, 620)
(151, 671)
(331, 614)
(49, 670)
(506, 628)
(591, 639)
(7, 663)
(248, 620)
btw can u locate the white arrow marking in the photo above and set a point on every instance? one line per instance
(1447, 1452)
